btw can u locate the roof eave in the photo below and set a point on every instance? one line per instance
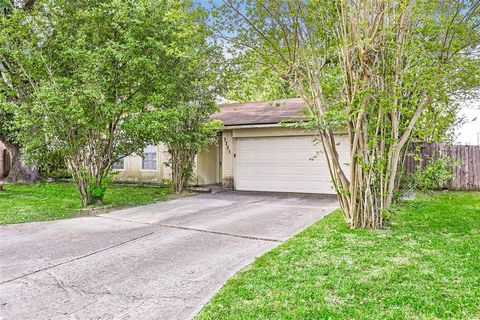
(252, 126)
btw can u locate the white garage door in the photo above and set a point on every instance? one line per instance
(284, 164)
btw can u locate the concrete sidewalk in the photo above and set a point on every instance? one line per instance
(160, 261)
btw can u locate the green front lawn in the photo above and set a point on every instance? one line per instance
(48, 201)
(426, 267)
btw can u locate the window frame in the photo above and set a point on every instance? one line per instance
(122, 160)
(155, 149)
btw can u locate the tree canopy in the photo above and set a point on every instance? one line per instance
(372, 68)
(94, 70)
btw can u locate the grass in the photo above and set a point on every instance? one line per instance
(21, 203)
(427, 266)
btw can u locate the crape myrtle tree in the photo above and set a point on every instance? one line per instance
(186, 130)
(371, 68)
(185, 126)
(95, 69)
(183, 122)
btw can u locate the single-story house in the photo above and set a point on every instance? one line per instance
(254, 153)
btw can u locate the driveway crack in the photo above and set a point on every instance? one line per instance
(198, 230)
(219, 233)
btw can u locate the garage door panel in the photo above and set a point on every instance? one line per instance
(284, 164)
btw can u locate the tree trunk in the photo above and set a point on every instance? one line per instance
(182, 165)
(178, 180)
(20, 172)
(89, 176)
(87, 189)
(358, 196)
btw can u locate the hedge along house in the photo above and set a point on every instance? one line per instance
(254, 153)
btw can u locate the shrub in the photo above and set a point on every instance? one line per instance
(435, 174)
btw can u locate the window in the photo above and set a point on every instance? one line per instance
(149, 160)
(120, 164)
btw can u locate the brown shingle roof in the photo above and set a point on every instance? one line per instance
(261, 112)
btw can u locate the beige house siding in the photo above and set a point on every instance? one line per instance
(228, 152)
(133, 172)
(206, 168)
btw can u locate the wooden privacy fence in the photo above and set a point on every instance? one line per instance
(467, 174)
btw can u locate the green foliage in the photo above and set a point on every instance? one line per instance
(186, 129)
(92, 66)
(436, 173)
(89, 72)
(425, 267)
(184, 124)
(253, 82)
(97, 191)
(188, 126)
(386, 72)
(5, 4)
(53, 166)
(165, 183)
(438, 123)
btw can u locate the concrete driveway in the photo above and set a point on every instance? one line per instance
(160, 261)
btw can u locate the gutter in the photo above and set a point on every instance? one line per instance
(253, 126)
(270, 125)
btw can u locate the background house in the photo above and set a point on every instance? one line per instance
(254, 153)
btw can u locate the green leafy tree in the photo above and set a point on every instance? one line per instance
(95, 68)
(186, 130)
(373, 68)
(253, 82)
(14, 90)
(185, 126)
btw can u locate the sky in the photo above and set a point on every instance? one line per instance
(469, 132)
